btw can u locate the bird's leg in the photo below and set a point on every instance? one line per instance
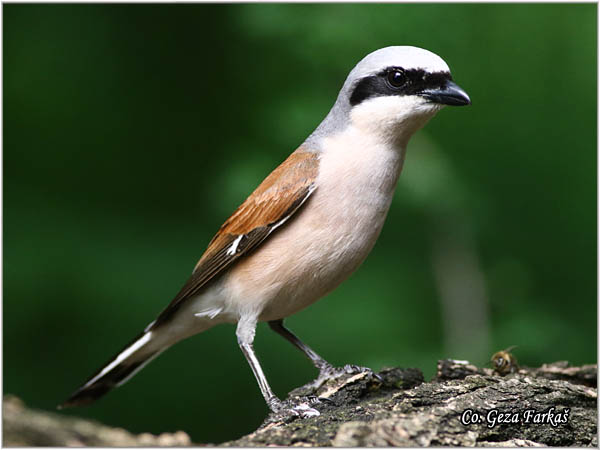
(326, 370)
(245, 335)
(271, 399)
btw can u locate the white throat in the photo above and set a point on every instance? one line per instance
(393, 119)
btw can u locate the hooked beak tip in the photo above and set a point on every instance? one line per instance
(451, 94)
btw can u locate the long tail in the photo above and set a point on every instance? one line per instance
(118, 370)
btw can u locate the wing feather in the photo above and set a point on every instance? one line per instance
(271, 204)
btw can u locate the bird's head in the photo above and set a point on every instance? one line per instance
(394, 91)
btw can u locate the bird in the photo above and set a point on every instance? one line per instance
(309, 224)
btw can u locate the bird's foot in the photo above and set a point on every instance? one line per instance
(299, 407)
(304, 411)
(328, 372)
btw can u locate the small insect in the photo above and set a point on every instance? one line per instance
(505, 362)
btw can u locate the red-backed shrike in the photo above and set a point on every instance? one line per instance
(308, 225)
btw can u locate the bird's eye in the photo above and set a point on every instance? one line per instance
(396, 78)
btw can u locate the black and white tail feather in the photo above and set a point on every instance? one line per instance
(118, 370)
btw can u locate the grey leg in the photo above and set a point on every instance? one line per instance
(271, 399)
(245, 334)
(326, 370)
(324, 367)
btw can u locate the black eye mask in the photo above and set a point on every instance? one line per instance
(397, 81)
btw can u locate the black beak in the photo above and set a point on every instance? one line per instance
(451, 94)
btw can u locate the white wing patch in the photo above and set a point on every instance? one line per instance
(231, 251)
(210, 313)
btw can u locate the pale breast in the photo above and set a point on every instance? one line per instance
(328, 239)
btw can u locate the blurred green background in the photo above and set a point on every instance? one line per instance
(131, 132)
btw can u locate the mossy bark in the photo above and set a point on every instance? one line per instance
(463, 405)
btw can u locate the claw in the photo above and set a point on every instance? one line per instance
(289, 408)
(332, 372)
(304, 411)
(313, 400)
(352, 368)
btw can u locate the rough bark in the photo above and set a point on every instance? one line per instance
(394, 408)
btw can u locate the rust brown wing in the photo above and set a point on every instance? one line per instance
(273, 202)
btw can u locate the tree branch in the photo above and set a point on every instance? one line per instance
(552, 405)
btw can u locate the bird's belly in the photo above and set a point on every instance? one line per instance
(301, 264)
(309, 257)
